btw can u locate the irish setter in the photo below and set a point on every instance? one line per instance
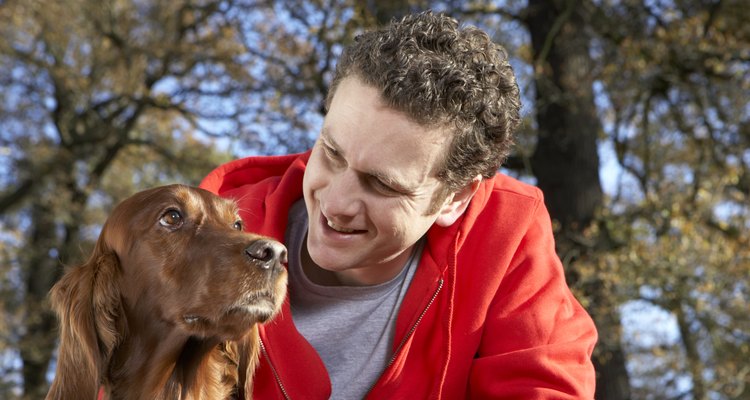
(167, 305)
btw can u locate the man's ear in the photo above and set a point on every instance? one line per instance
(455, 204)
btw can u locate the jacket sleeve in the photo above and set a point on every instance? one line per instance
(538, 339)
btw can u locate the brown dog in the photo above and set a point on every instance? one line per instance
(166, 306)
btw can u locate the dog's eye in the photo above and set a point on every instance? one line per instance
(237, 225)
(171, 219)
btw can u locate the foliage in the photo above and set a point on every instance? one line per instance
(676, 80)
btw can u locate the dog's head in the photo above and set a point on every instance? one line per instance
(185, 255)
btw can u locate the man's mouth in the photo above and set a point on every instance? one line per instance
(338, 228)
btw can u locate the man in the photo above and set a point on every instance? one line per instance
(416, 271)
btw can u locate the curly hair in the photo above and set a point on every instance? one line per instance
(439, 74)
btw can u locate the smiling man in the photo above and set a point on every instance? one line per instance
(415, 269)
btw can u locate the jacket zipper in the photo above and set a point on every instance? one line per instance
(393, 357)
(408, 335)
(273, 370)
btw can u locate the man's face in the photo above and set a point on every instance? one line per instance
(368, 186)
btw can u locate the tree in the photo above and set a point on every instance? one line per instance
(676, 79)
(87, 86)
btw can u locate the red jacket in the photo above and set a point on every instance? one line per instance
(488, 314)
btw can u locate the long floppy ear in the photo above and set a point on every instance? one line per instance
(88, 306)
(250, 350)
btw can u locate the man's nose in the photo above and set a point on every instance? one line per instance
(344, 195)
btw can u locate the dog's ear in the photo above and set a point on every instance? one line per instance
(250, 351)
(88, 306)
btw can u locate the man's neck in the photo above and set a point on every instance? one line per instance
(351, 277)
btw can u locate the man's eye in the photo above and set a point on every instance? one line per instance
(171, 219)
(333, 156)
(237, 225)
(331, 152)
(382, 187)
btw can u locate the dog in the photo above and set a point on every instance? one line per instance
(168, 304)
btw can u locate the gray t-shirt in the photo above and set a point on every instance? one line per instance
(351, 327)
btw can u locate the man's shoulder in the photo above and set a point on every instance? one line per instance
(507, 198)
(502, 208)
(504, 185)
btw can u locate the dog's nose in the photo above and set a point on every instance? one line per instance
(266, 253)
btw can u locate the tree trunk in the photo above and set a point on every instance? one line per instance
(37, 342)
(384, 11)
(566, 163)
(56, 217)
(692, 353)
